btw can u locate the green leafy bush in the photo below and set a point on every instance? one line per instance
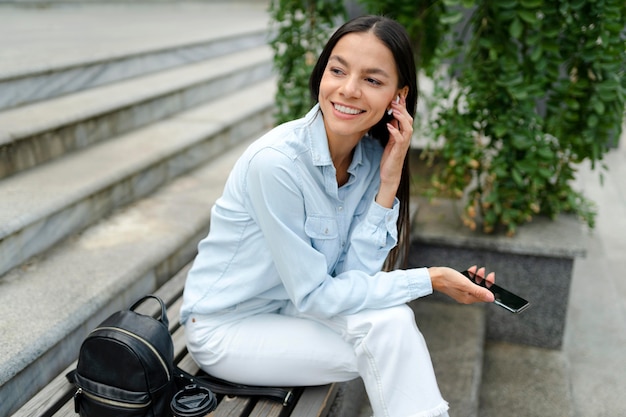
(526, 90)
(538, 89)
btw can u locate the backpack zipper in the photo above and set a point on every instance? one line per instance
(110, 402)
(142, 340)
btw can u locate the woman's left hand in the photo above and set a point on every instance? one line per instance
(456, 285)
(392, 161)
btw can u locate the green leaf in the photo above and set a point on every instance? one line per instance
(506, 4)
(528, 17)
(452, 19)
(606, 94)
(545, 173)
(527, 167)
(516, 28)
(572, 104)
(551, 32)
(517, 177)
(598, 106)
(519, 93)
(520, 142)
(536, 53)
(571, 116)
(531, 4)
(500, 130)
(545, 153)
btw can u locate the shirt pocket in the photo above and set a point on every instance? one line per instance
(324, 234)
(321, 227)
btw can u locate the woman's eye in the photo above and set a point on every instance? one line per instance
(373, 81)
(336, 71)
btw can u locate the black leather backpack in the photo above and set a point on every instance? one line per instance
(126, 369)
(125, 366)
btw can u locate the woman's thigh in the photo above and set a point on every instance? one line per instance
(272, 349)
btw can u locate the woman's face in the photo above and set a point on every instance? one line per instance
(358, 85)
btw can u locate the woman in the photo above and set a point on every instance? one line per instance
(287, 288)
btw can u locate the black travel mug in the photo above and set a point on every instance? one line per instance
(193, 401)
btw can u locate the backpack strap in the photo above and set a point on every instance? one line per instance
(219, 386)
(163, 317)
(71, 376)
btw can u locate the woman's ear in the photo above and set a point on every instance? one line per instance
(404, 92)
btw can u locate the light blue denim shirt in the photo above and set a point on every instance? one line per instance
(283, 231)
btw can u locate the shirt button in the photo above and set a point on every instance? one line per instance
(325, 231)
(340, 208)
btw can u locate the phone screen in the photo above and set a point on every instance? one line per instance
(503, 298)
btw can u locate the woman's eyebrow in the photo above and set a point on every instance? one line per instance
(378, 71)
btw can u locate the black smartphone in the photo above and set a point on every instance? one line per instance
(503, 298)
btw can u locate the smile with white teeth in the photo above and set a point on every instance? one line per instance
(346, 110)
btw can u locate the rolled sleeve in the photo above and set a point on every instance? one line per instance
(384, 223)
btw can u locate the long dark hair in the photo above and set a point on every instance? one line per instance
(394, 36)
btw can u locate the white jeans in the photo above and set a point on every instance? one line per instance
(383, 347)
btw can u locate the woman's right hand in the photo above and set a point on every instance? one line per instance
(394, 154)
(454, 284)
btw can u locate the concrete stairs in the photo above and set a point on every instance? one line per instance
(108, 169)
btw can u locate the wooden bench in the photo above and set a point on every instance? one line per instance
(56, 399)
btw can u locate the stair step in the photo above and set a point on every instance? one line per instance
(52, 51)
(54, 301)
(33, 134)
(42, 206)
(530, 380)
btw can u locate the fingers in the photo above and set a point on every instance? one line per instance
(479, 291)
(479, 275)
(402, 126)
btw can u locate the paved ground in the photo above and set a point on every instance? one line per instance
(595, 336)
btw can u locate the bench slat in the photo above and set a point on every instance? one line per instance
(67, 410)
(316, 401)
(50, 398)
(233, 407)
(267, 408)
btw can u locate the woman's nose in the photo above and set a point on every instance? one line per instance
(350, 88)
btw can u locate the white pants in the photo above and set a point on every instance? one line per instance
(383, 347)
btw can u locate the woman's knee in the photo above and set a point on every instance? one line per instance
(388, 320)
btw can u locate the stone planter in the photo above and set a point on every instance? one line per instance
(537, 264)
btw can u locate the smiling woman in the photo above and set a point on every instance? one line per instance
(295, 285)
